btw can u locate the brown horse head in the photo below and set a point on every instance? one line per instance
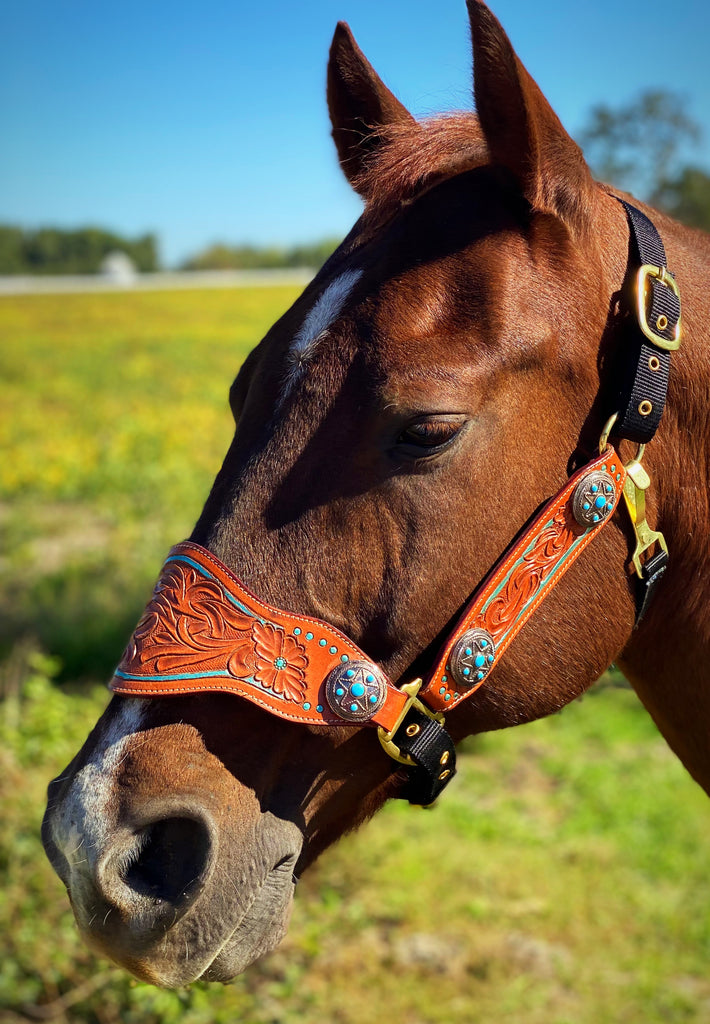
(395, 429)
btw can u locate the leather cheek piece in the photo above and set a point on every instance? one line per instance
(524, 576)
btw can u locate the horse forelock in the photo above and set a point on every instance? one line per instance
(414, 157)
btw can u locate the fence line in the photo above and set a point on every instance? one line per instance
(25, 285)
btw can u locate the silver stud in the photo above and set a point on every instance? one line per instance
(355, 690)
(594, 498)
(472, 658)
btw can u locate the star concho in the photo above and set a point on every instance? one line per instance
(472, 658)
(355, 690)
(593, 499)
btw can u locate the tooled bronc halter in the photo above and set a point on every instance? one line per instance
(203, 630)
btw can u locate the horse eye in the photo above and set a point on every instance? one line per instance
(429, 436)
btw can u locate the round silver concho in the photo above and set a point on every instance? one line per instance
(472, 658)
(355, 690)
(593, 499)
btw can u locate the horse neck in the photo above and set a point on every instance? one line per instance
(668, 656)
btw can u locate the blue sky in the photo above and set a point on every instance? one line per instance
(208, 121)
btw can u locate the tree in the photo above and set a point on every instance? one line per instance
(248, 257)
(687, 198)
(58, 251)
(11, 253)
(639, 147)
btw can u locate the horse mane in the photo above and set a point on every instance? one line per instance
(411, 158)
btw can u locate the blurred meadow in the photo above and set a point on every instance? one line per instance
(560, 880)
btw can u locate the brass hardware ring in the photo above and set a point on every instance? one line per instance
(608, 427)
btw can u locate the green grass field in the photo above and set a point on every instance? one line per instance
(560, 880)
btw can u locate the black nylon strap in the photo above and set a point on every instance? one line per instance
(653, 572)
(430, 745)
(644, 367)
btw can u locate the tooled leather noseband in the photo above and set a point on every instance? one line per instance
(203, 630)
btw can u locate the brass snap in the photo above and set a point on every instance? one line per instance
(645, 407)
(413, 730)
(444, 759)
(654, 363)
(662, 322)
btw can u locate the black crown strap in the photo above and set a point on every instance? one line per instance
(645, 366)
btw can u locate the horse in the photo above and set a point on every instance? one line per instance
(450, 366)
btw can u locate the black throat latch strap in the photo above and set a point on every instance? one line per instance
(653, 304)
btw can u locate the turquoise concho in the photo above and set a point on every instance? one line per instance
(355, 690)
(472, 658)
(594, 498)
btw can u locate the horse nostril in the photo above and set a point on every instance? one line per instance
(170, 860)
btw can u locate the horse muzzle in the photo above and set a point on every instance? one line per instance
(174, 884)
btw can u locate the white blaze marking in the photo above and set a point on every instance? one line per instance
(86, 818)
(319, 319)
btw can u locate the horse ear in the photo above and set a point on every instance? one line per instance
(359, 103)
(522, 131)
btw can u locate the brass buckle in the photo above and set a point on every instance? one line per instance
(665, 278)
(386, 738)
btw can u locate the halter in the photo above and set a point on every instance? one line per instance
(203, 630)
